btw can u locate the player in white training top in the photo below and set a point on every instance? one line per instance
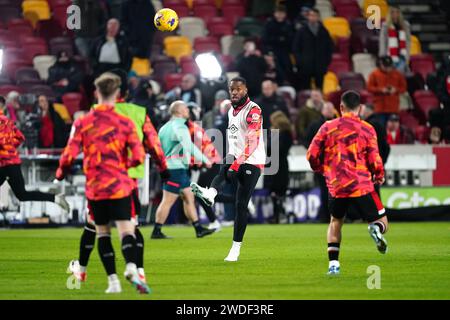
(244, 161)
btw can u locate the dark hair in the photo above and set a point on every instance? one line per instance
(315, 10)
(239, 79)
(351, 99)
(385, 61)
(2, 100)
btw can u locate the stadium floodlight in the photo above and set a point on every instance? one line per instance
(209, 66)
(1, 60)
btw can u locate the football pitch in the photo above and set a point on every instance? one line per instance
(276, 262)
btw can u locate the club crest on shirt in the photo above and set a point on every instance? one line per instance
(233, 129)
(255, 117)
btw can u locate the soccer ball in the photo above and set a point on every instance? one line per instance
(166, 20)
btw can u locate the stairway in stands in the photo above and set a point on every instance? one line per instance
(429, 23)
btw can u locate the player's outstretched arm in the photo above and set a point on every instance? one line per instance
(71, 151)
(153, 144)
(374, 160)
(18, 136)
(137, 155)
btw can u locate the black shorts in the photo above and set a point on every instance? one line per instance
(106, 211)
(368, 206)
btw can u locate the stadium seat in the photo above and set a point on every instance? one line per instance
(363, 63)
(34, 46)
(172, 80)
(249, 27)
(159, 36)
(55, 3)
(13, 54)
(156, 50)
(63, 112)
(162, 66)
(325, 9)
(416, 47)
(339, 64)
(422, 64)
(343, 46)
(330, 83)
(5, 89)
(59, 44)
(220, 29)
(227, 63)
(27, 75)
(348, 11)
(42, 64)
(338, 27)
(72, 101)
(21, 30)
(408, 119)
(382, 4)
(36, 8)
(177, 46)
(233, 12)
(232, 45)
(425, 100)
(7, 37)
(422, 133)
(188, 65)
(366, 97)
(60, 14)
(192, 27)
(206, 44)
(414, 82)
(372, 44)
(181, 9)
(42, 89)
(141, 66)
(302, 96)
(335, 98)
(359, 35)
(204, 2)
(49, 29)
(18, 23)
(351, 81)
(205, 12)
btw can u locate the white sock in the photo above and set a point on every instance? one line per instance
(113, 277)
(236, 246)
(131, 267)
(213, 192)
(83, 269)
(333, 263)
(141, 271)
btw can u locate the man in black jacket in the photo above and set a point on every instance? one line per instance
(313, 49)
(111, 51)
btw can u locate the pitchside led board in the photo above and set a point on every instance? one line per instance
(411, 197)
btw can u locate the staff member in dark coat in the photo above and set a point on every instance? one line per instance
(313, 49)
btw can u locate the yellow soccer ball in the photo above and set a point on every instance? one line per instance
(166, 20)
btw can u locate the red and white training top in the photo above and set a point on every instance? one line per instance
(245, 135)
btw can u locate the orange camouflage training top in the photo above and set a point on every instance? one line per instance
(10, 139)
(105, 138)
(345, 151)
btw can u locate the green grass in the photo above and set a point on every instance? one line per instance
(277, 262)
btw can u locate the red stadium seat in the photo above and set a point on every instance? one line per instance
(339, 64)
(11, 67)
(422, 64)
(372, 44)
(233, 12)
(21, 31)
(59, 44)
(13, 23)
(352, 81)
(34, 46)
(181, 9)
(72, 101)
(163, 65)
(206, 44)
(407, 118)
(335, 98)
(188, 65)
(205, 12)
(55, 3)
(13, 54)
(227, 62)
(343, 46)
(425, 101)
(60, 14)
(422, 133)
(348, 11)
(42, 89)
(360, 35)
(414, 82)
(220, 29)
(49, 29)
(27, 75)
(205, 2)
(5, 89)
(172, 80)
(366, 97)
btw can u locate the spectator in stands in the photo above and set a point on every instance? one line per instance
(133, 83)
(251, 66)
(209, 118)
(277, 38)
(308, 114)
(53, 131)
(273, 70)
(187, 91)
(313, 49)
(367, 113)
(136, 21)
(111, 51)
(386, 84)
(328, 113)
(94, 15)
(443, 82)
(13, 110)
(145, 96)
(395, 39)
(270, 102)
(396, 133)
(298, 9)
(280, 181)
(64, 76)
(439, 120)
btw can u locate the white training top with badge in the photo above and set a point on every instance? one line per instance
(237, 135)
